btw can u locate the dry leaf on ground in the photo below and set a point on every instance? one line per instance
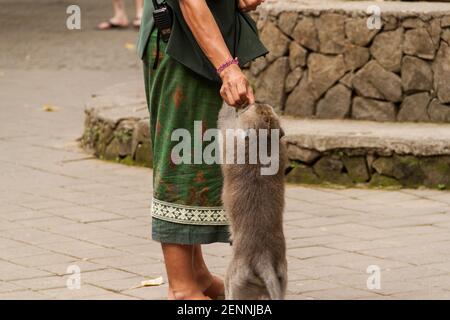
(49, 108)
(150, 283)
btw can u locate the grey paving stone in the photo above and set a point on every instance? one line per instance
(21, 251)
(305, 286)
(309, 252)
(55, 213)
(124, 260)
(106, 275)
(45, 259)
(23, 295)
(316, 241)
(85, 291)
(10, 271)
(153, 270)
(111, 296)
(148, 293)
(45, 222)
(118, 285)
(61, 268)
(341, 293)
(42, 283)
(6, 287)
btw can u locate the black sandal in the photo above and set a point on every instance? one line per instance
(108, 25)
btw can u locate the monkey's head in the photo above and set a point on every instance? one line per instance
(259, 116)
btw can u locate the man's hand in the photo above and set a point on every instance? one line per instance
(249, 5)
(236, 90)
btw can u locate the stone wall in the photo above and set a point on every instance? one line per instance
(353, 167)
(116, 126)
(326, 63)
(349, 153)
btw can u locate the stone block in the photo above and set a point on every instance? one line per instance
(293, 78)
(418, 43)
(437, 171)
(305, 33)
(287, 21)
(415, 108)
(301, 101)
(320, 79)
(438, 112)
(373, 110)
(441, 69)
(336, 103)
(373, 81)
(297, 55)
(387, 49)
(330, 169)
(297, 153)
(355, 57)
(331, 32)
(258, 66)
(416, 75)
(274, 40)
(302, 174)
(406, 169)
(357, 168)
(381, 181)
(357, 32)
(269, 86)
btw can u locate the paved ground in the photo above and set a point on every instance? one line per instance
(60, 208)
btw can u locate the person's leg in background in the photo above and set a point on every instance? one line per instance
(120, 18)
(139, 7)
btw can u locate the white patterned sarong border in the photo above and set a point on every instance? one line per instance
(188, 214)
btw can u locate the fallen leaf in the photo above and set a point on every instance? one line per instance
(150, 283)
(130, 46)
(49, 108)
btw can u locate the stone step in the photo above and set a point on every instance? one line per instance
(419, 139)
(350, 152)
(339, 152)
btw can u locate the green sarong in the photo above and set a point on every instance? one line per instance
(186, 205)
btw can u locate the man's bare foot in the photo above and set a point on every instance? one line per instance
(213, 287)
(187, 295)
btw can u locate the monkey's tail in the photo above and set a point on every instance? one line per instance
(275, 282)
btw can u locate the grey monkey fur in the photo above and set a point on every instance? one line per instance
(254, 204)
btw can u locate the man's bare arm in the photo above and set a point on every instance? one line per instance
(235, 90)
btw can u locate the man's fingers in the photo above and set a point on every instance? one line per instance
(242, 91)
(230, 99)
(249, 5)
(236, 96)
(226, 96)
(250, 95)
(242, 4)
(253, 7)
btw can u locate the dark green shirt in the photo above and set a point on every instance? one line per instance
(237, 28)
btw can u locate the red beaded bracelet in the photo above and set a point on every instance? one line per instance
(227, 64)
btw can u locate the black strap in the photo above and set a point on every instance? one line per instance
(155, 4)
